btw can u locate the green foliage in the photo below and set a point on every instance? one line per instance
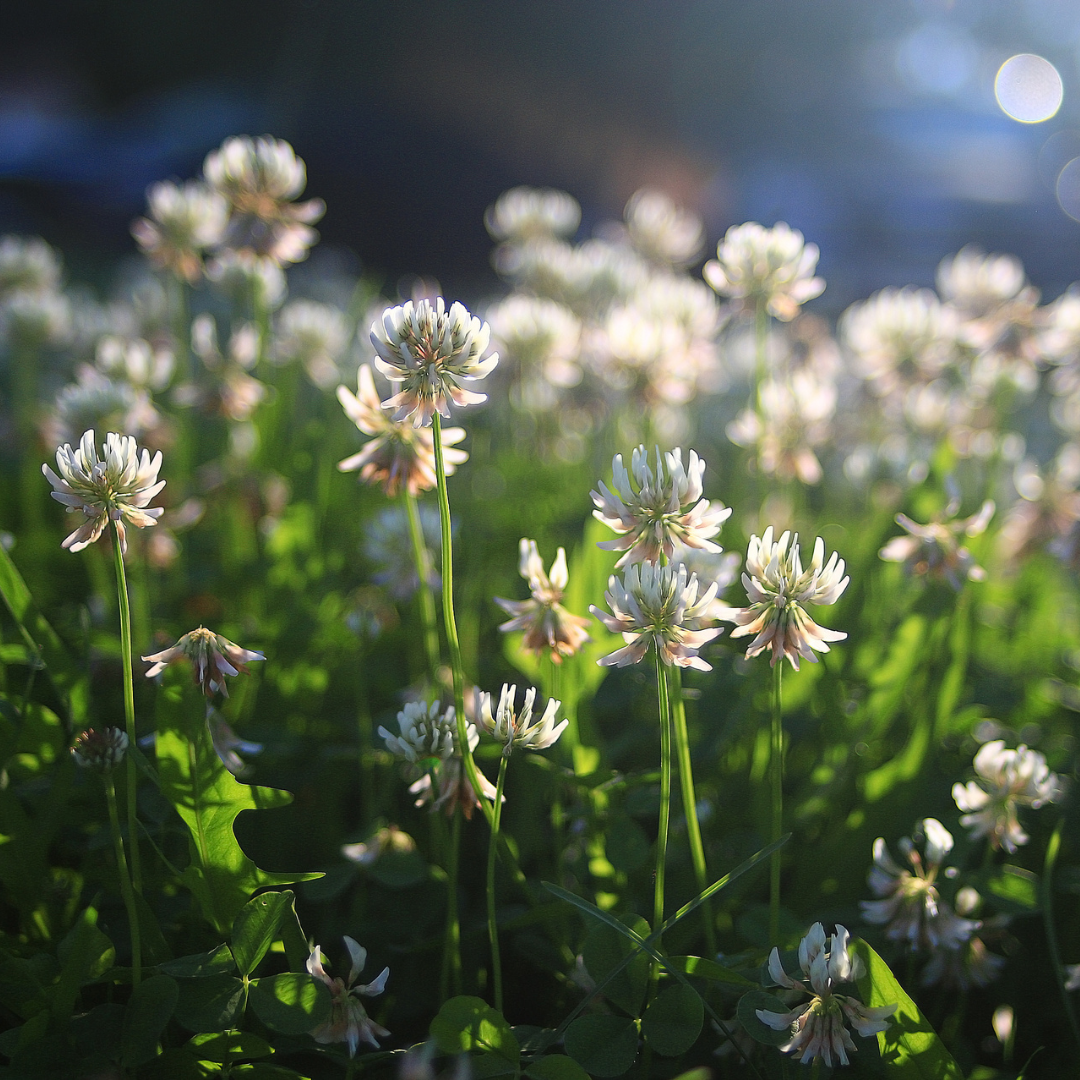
(673, 1020)
(602, 1045)
(469, 1025)
(291, 1003)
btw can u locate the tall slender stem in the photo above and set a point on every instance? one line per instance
(665, 809)
(493, 929)
(1047, 890)
(453, 921)
(776, 771)
(422, 560)
(761, 362)
(126, 890)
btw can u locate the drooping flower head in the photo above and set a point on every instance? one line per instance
(658, 605)
(548, 626)
(1006, 780)
(430, 350)
(665, 510)
(819, 1029)
(182, 222)
(100, 749)
(115, 487)
(779, 589)
(399, 455)
(518, 729)
(212, 658)
(349, 1021)
(934, 549)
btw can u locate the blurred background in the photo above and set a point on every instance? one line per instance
(874, 128)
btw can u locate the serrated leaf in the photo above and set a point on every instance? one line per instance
(673, 1020)
(291, 1003)
(467, 1024)
(605, 950)
(149, 1009)
(256, 926)
(602, 1045)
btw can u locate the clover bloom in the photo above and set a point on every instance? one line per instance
(547, 624)
(429, 350)
(1007, 779)
(778, 589)
(524, 213)
(212, 657)
(100, 749)
(665, 510)
(183, 221)
(116, 487)
(349, 1022)
(658, 605)
(399, 454)
(934, 550)
(519, 729)
(425, 732)
(818, 1029)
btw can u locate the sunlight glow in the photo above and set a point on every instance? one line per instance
(1028, 88)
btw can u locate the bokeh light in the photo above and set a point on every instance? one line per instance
(1068, 188)
(1028, 88)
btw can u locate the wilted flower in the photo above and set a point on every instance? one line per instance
(212, 657)
(399, 454)
(349, 1022)
(100, 749)
(114, 488)
(519, 729)
(425, 732)
(818, 1029)
(934, 549)
(525, 213)
(455, 791)
(1007, 779)
(665, 510)
(772, 268)
(429, 349)
(227, 743)
(658, 605)
(548, 626)
(183, 222)
(778, 589)
(662, 231)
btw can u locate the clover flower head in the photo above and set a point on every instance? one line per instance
(934, 549)
(399, 455)
(548, 626)
(779, 589)
(94, 400)
(969, 964)
(819, 1029)
(454, 790)
(525, 213)
(770, 267)
(429, 349)
(100, 749)
(28, 264)
(349, 1021)
(389, 839)
(227, 743)
(425, 732)
(1005, 781)
(248, 279)
(518, 729)
(665, 510)
(658, 605)
(212, 657)
(115, 487)
(662, 231)
(315, 335)
(977, 283)
(182, 222)
(32, 320)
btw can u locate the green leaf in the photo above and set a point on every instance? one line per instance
(711, 970)
(602, 1045)
(256, 926)
(673, 1020)
(225, 1046)
(214, 1003)
(910, 1048)
(470, 1023)
(747, 1012)
(1011, 888)
(606, 952)
(291, 1003)
(149, 1009)
(556, 1067)
(482, 1066)
(218, 961)
(178, 1064)
(84, 953)
(208, 799)
(626, 845)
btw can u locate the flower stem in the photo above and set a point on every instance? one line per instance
(689, 799)
(1047, 890)
(761, 337)
(665, 811)
(776, 770)
(453, 922)
(493, 930)
(422, 560)
(126, 890)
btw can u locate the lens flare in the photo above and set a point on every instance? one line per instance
(1028, 88)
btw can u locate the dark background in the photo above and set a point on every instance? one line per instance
(871, 126)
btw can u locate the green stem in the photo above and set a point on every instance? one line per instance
(1047, 889)
(126, 890)
(689, 800)
(422, 561)
(493, 929)
(665, 811)
(776, 771)
(181, 327)
(453, 921)
(761, 337)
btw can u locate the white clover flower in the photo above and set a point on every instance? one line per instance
(1006, 780)
(227, 743)
(518, 729)
(819, 1029)
(525, 213)
(658, 605)
(116, 487)
(425, 732)
(970, 964)
(769, 267)
(349, 1022)
(454, 790)
(28, 264)
(96, 401)
(389, 839)
(314, 335)
(212, 657)
(978, 283)
(1072, 976)
(662, 231)
(429, 350)
(933, 549)
(543, 337)
(183, 222)
(247, 279)
(32, 320)
(548, 626)
(666, 509)
(100, 749)
(778, 589)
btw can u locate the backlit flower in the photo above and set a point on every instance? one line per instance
(933, 549)
(666, 509)
(349, 1022)
(314, 335)
(212, 658)
(115, 487)
(779, 589)
(430, 350)
(525, 213)
(182, 222)
(662, 231)
(100, 749)
(518, 729)
(28, 264)
(819, 1029)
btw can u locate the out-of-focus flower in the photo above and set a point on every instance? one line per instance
(1006, 780)
(976, 283)
(909, 904)
(970, 964)
(116, 487)
(934, 549)
(819, 1028)
(548, 626)
(662, 231)
(96, 401)
(349, 1022)
(429, 350)
(33, 320)
(1072, 976)
(770, 268)
(779, 589)
(100, 749)
(666, 509)
(658, 605)
(314, 335)
(425, 732)
(518, 729)
(212, 657)
(28, 264)
(137, 360)
(399, 454)
(1048, 511)
(388, 545)
(183, 222)
(387, 839)
(250, 281)
(525, 213)
(544, 339)
(227, 743)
